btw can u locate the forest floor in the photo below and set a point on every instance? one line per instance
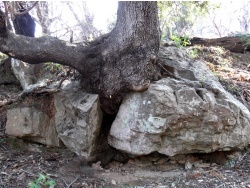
(25, 164)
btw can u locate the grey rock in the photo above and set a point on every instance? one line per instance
(23, 72)
(188, 114)
(31, 124)
(75, 118)
(29, 74)
(78, 119)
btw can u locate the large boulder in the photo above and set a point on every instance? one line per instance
(188, 113)
(78, 119)
(32, 124)
(70, 115)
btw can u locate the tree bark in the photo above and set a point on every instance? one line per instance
(237, 44)
(121, 61)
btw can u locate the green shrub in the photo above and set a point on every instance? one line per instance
(41, 182)
(181, 41)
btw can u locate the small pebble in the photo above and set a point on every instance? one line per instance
(113, 182)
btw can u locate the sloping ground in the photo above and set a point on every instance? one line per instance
(21, 162)
(232, 69)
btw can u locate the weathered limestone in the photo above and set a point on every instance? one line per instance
(78, 120)
(75, 118)
(180, 116)
(32, 124)
(24, 72)
(29, 74)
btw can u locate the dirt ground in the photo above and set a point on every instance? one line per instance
(22, 162)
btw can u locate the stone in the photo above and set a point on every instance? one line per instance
(113, 182)
(70, 116)
(188, 165)
(188, 113)
(29, 74)
(23, 72)
(32, 124)
(78, 119)
(6, 72)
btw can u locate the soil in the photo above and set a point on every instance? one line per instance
(23, 162)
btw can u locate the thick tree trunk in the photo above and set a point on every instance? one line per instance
(238, 44)
(119, 62)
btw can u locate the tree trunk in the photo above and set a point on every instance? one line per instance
(121, 61)
(238, 44)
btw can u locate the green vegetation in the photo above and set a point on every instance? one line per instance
(42, 181)
(178, 17)
(233, 89)
(53, 67)
(193, 53)
(214, 56)
(181, 41)
(230, 164)
(243, 36)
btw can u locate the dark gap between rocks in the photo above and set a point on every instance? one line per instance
(105, 153)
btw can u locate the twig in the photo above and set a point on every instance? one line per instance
(3, 148)
(223, 184)
(73, 181)
(241, 158)
(171, 74)
(29, 173)
(68, 185)
(166, 70)
(42, 170)
(220, 175)
(64, 181)
(50, 175)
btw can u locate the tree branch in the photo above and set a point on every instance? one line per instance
(112, 65)
(26, 11)
(49, 49)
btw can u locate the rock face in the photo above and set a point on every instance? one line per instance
(33, 119)
(29, 74)
(78, 120)
(7, 75)
(70, 116)
(32, 124)
(191, 113)
(23, 72)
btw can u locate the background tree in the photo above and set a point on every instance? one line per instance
(244, 17)
(60, 25)
(45, 16)
(84, 20)
(178, 17)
